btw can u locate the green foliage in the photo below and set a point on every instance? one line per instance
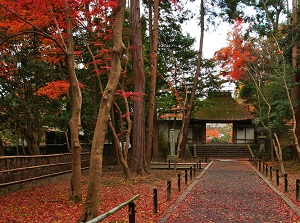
(264, 21)
(18, 100)
(288, 152)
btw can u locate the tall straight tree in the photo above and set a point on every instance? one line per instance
(93, 190)
(185, 122)
(295, 93)
(153, 29)
(138, 161)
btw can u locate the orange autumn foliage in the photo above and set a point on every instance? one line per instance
(55, 89)
(212, 133)
(235, 57)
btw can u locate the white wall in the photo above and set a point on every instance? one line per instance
(245, 135)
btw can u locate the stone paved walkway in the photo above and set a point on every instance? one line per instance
(230, 191)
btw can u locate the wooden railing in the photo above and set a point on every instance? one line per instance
(131, 212)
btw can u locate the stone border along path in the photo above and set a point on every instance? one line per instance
(282, 195)
(231, 191)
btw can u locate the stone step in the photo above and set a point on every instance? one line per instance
(223, 151)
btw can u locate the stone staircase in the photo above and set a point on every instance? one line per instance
(223, 151)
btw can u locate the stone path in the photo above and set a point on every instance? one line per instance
(230, 191)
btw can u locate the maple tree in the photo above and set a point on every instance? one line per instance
(54, 23)
(235, 57)
(64, 41)
(23, 72)
(122, 139)
(242, 60)
(92, 198)
(212, 133)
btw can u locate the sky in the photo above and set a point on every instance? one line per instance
(213, 39)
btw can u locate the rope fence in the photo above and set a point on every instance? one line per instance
(192, 174)
(268, 172)
(132, 206)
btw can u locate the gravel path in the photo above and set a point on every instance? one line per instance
(230, 191)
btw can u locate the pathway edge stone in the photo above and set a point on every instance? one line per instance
(280, 194)
(170, 210)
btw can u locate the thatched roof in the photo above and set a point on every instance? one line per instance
(220, 106)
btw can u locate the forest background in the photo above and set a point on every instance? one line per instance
(104, 67)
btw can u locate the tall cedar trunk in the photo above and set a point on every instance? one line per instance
(187, 119)
(155, 137)
(153, 60)
(295, 94)
(75, 121)
(93, 190)
(138, 161)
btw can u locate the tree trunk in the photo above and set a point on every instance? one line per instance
(138, 161)
(121, 148)
(278, 152)
(75, 121)
(153, 28)
(295, 94)
(1, 147)
(93, 190)
(28, 131)
(190, 107)
(155, 138)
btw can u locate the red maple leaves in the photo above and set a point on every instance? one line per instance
(235, 58)
(134, 96)
(55, 89)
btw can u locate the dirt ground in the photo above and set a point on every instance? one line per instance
(50, 202)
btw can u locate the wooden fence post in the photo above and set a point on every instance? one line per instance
(179, 189)
(297, 189)
(131, 212)
(277, 177)
(168, 190)
(155, 201)
(285, 182)
(185, 177)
